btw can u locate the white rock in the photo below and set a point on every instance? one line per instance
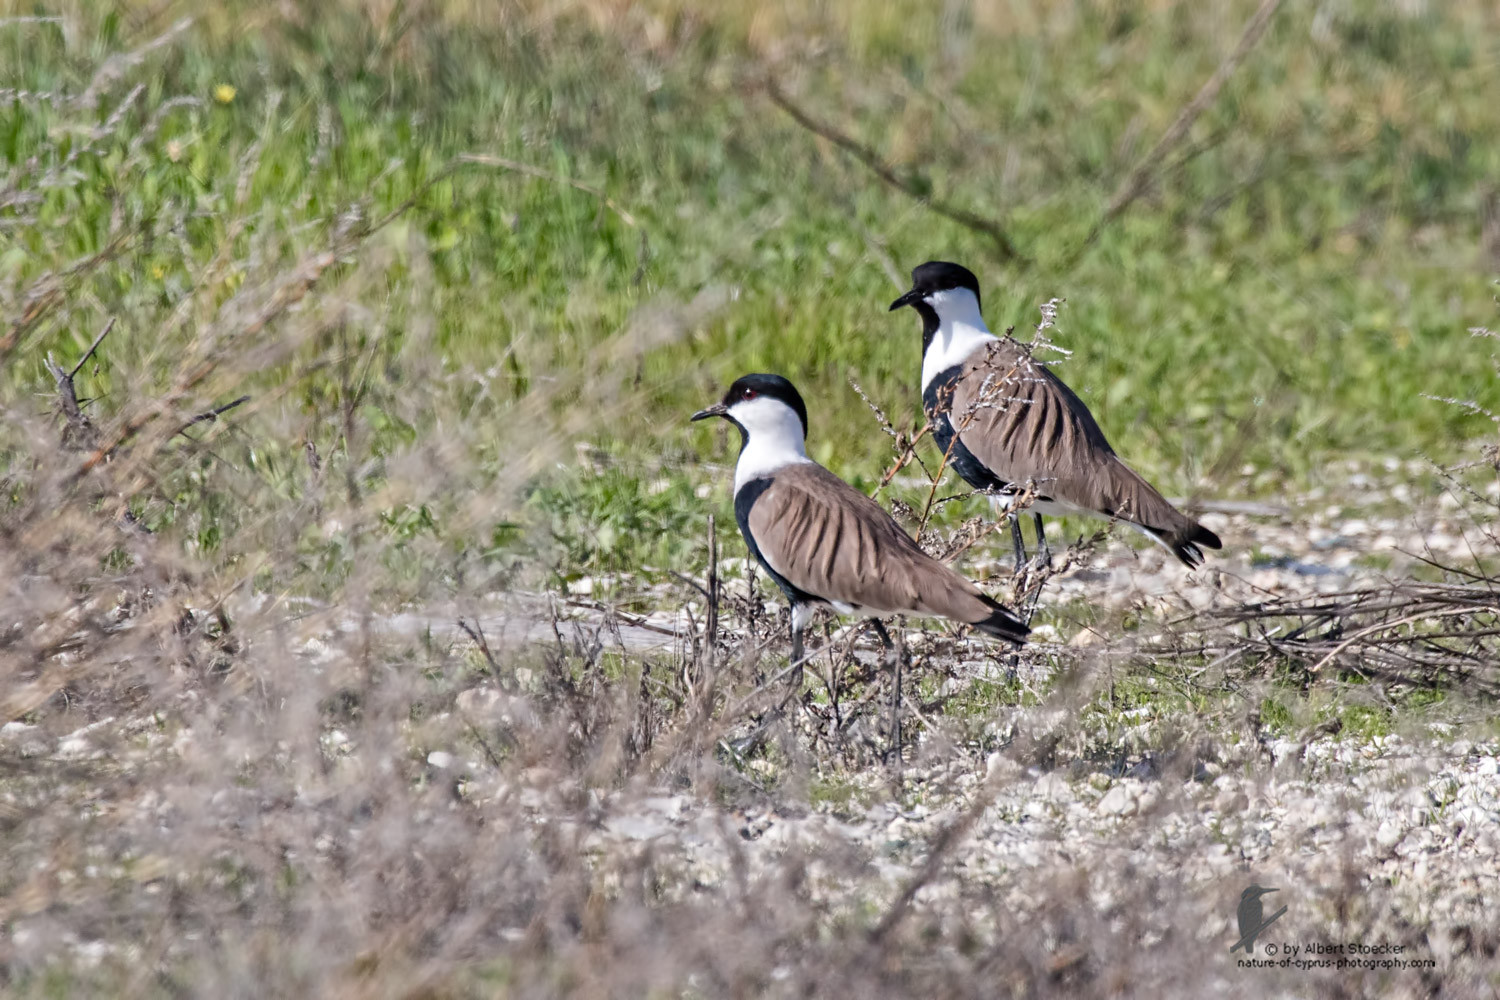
(1051, 787)
(440, 759)
(1231, 800)
(1118, 801)
(635, 827)
(481, 704)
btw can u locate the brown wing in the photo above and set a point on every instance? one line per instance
(1023, 423)
(833, 542)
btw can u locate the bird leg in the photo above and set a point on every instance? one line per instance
(795, 681)
(1044, 554)
(801, 615)
(1043, 564)
(892, 661)
(1015, 536)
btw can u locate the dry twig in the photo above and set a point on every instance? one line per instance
(1005, 249)
(1136, 182)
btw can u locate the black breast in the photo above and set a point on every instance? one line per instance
(744, 499)
(937, 401)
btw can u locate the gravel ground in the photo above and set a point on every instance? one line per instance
(1384, 850)
(1385, 853)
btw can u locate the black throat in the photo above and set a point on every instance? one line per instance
(744, 434)
(929, 323)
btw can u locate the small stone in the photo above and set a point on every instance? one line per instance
(1118, 801)
(1231, 800)
(440, 759)
(638, 827)
(1001, 768)
(1051, 787)
(480, 704)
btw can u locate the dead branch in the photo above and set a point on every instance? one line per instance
(93, 347)
(487, 160)
(51, 288)
(1407, 631)
(946, 841)
(1005, 250)
(475, 633)
(115, 66)
(79, 432)
(282, 297)
(213, 414)
(906, 448)
(1136, 182)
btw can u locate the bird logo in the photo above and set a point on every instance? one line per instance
(1251, 917)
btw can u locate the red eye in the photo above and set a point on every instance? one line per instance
(748, 394)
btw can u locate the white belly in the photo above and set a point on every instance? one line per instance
(1000, 502)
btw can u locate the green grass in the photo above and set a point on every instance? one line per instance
(1303, 270)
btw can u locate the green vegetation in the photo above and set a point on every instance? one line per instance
(1301, 270)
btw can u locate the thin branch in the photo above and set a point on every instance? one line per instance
(907, 456)
(1386, 626)
(6, 22)
(93, 347)
(1137, 181)
(486, 160)
(476, 634)
(80, 430)
(116, 65)
(1004, 248)
(211, 414)
(947, 839)
(286, 294)
(49, 290)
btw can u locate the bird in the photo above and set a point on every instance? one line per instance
(1005, 420)
(1250, 916)
(822, 541)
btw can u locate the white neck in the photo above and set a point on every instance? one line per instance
(773, 434)
(960, 331)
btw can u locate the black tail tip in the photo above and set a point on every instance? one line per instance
(1207, 538)
(1186, 547)
(1004, 625)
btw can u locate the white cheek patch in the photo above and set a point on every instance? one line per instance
(961, 331)
(774, 438)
